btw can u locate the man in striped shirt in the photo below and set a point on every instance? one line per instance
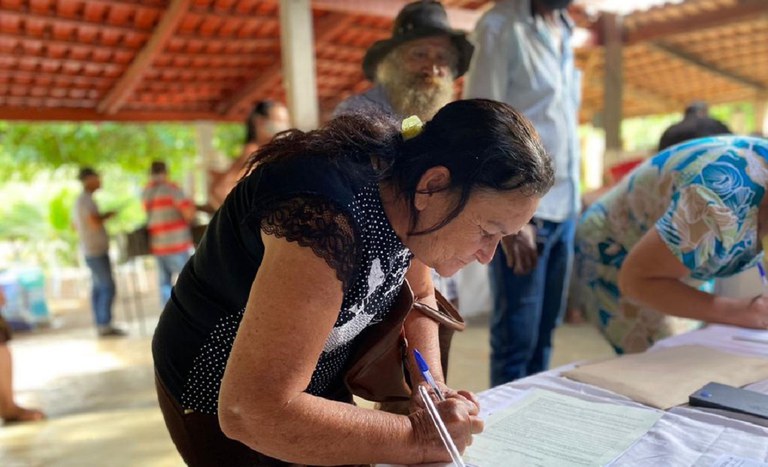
(169, 213)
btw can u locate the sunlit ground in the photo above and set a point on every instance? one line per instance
(99, 393)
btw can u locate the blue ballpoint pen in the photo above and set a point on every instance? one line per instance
(761, 270)
(424, 369)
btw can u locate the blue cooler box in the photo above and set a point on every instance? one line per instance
(24, 289)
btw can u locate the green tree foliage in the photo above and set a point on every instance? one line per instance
(39, 164)
(23, 220)
(26, 149)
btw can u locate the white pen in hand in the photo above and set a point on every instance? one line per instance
(425, 373)
(442, 430)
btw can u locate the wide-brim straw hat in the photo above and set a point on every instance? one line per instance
(416, 21)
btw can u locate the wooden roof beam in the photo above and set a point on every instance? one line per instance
(460, 18)
(327, 28)
(742, 10)
(634, 91)
(143, 60)
(266, 79)
(691, 59)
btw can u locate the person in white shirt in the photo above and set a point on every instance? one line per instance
(523, 57)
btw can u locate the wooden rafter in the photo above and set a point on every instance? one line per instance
(327, 28)
(631, 90)
(592, 70)
(133, 74)
(700, 63)
(741, 10)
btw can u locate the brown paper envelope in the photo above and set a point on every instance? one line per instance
(664, 378)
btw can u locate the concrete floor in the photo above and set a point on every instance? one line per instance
(99, 393)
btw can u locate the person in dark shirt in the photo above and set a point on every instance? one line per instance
(310, 249)
(696, 123)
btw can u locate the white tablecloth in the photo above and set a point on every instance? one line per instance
(684, 436)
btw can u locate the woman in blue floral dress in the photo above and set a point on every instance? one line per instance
(694, 212)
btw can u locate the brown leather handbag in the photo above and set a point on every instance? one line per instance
(377, 368)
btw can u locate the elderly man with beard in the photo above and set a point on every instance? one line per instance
(413, 74)
(414, 70)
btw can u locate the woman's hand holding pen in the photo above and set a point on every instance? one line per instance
(467, 397)
(460, 416)
(755, 315)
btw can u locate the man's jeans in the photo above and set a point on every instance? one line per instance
(169, 266)
(103, 292)
(526, 309)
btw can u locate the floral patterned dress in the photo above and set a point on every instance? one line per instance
(702, 196)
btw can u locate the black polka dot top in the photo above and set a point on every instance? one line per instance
(309, 201)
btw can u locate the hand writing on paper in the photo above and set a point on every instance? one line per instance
(755, 315)
(466, 397)
(520, 250)
(457, 419)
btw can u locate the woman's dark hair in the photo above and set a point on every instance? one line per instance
(261, 109)
(486, 145)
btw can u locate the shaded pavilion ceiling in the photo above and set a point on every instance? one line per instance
(211, 59)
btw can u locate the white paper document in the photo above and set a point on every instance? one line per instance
(550, 429)
(735, 461)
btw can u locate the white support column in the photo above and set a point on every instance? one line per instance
(298, 54)
(207, 159)
(612, 94)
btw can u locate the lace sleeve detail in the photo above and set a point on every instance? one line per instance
(319, 224)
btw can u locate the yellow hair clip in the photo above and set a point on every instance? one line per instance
(411, 127)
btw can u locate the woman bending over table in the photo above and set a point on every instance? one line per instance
(309, 250)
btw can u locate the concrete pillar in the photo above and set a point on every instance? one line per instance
(207, 158)
(298, 54)
(612, 93)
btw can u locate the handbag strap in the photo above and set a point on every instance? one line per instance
(446, 314)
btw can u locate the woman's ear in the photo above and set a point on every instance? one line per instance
(434, 180)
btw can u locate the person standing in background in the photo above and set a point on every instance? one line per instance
(94, 244)
(413, 74)
(266, 119)
(523, 57)
(169, 215)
